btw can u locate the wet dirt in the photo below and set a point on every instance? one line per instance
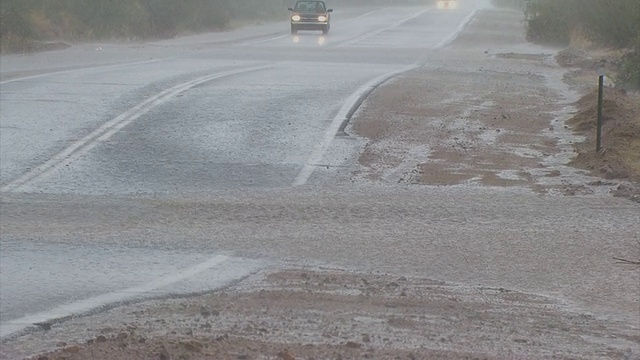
(619, 157)
(513, 116)
(336, 314)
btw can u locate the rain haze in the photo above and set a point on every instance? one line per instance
(339, 179)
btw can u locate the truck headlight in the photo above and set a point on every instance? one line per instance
(322, 18)
(295, 18)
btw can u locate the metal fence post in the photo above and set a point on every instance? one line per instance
(601, 72)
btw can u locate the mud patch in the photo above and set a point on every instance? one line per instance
(509, 119)
(438, 175)
(575, 58)
(485, 135)
(531, 57)
(338, 314)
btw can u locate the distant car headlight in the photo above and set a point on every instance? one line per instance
(295, 18)
(322, 18)
(447, 4)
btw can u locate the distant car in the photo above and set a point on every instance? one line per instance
(310, 15)
(447, 4)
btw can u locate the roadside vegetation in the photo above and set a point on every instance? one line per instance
(612, 24)
(610, 29)
(33, 25)
(24, 24)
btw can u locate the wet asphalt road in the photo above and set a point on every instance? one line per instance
(255, 108)
(170, 167)
(254, 124)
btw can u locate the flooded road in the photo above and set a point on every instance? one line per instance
(255, 108)
(131, 171)
(225, 114)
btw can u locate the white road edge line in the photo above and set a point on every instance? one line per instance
(369, 13)
(458, 31)
(87, 305)
(254, 42)
(62, 72)
(111, 127)
(376, 32)
(319, 151)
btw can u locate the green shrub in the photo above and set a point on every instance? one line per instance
(15, 26)
(610, 22)
(629, 76)
(25, 21)
(258, 9)
(550, 21)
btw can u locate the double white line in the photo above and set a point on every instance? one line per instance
(111, 127)
(376, 32)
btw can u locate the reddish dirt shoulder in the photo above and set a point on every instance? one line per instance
(620, 154)
(499, 117)
(334, 314)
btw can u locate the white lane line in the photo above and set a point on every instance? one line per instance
(369, 13)
(111, 127)
(254, 42)
(342, 116)
(62, 72)
(458, 31)
(87, 305)
(376, 32)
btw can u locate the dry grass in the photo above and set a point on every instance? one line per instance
(620, 156)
